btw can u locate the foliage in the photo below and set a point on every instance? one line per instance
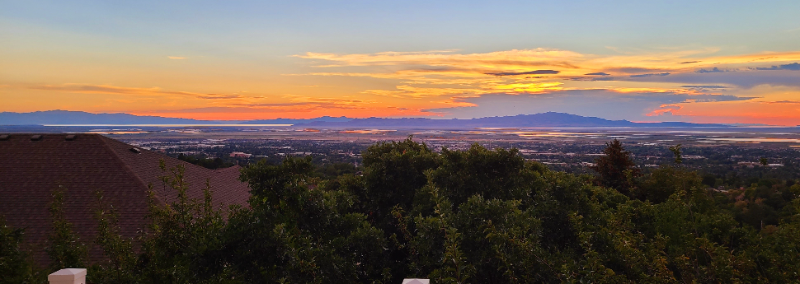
(297, 233)
(616, 168)
(473, 216)
(665, 181)
(120, 263)
(335, 169)
(64, 246)
(16, 265)
(183, 241)
(676, 151)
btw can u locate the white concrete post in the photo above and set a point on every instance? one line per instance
(416, 281)
(68, 276)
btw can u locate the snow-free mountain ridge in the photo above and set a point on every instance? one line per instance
(548, 119)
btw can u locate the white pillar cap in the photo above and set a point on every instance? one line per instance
(416, 281)
(68, 275)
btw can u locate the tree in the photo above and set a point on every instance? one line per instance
(478, 216)
(64, 246)
(665, 181)
(120, 258)
(496, 173)
(183, 242)
(393, 172)
(16, 265)
(616, 169)
(676, 151)
(297, 233)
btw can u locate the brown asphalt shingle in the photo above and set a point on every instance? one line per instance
(31, 170)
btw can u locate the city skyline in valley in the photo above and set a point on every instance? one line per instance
(709, 62)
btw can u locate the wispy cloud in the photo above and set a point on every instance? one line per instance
(682, 79)
(176, 57)
(665, 109)
(704, 87)
(793, 66)
(712, 70)
(510, 71)
(535, 72)
(626, 103)
(673, 83)
(783, 102)
(109, 89)
(649, 75)
(511, 58)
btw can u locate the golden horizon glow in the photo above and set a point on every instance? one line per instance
(428, 83)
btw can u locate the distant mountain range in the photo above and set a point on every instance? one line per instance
(548, 119)
(61, 117)
(296, 121)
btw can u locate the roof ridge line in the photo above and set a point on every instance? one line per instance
(127, 168)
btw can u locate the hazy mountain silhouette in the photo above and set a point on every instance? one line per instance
(80, 117)
(297, 121)
(548, 119)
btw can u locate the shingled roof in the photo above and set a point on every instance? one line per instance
(32, 166)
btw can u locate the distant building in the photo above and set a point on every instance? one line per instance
(240, 155)
(756, 164)
(693, 157)
(749, 164)
(33, 166)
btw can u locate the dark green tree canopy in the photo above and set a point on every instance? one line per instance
(473, 216)
(616, 168)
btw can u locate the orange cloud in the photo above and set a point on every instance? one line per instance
(511, 58)
(408, 83)
(765, 112)
(663, 109)
(477, 73)
(108, 89)
(449, 75)
(687, 91)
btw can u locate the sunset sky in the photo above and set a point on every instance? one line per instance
(694, 61)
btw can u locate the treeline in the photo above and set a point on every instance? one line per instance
(473, 216)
